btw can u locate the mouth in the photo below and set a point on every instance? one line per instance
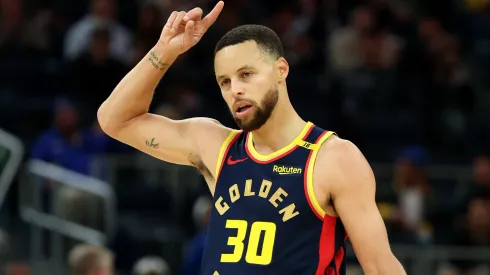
(242, 108)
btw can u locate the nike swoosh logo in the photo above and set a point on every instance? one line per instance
(229, 161)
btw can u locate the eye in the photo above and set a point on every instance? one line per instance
(225, 82)
(246, 74)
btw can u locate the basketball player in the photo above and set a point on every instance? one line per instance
(286, 193)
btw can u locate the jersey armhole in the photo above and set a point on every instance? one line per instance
(308, 181)
(225, 147)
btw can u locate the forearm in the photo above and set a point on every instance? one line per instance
(133, 95)
(388, 266)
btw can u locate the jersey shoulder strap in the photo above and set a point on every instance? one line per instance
(225, 147)
(318, 137)
(315, 138)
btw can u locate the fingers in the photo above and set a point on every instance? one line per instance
(171, 19)
(194, 14)
(178, 20)
(213, 15)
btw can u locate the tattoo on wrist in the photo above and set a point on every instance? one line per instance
(152, 144)
(159, 65)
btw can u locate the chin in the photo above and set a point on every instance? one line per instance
(249, 125)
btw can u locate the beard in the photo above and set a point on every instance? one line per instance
(262, 112)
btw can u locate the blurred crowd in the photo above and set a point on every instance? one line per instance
(407, 81)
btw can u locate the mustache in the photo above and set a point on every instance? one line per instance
(243, 100)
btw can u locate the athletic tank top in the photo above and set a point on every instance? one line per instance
(265, 218)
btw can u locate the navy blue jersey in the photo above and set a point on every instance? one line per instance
(265, 218)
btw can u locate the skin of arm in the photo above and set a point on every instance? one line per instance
(351, 185)
(124, 114)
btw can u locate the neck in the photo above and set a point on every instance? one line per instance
(282, 128)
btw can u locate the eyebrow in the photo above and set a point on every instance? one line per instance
(241, 68)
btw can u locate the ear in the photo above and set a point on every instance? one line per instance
(282, 69)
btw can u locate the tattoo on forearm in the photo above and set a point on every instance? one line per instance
(159, 65)
(151, 143)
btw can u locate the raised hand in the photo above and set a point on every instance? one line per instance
(184, 29)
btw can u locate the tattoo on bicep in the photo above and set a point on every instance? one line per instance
(159, 65)
(152, 144)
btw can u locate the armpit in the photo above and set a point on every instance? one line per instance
(201, 167)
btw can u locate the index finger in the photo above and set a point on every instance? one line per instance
(194, 14)
(213, 15)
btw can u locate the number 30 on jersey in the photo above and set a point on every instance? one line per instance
(252, 255)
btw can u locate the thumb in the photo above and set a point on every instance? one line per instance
(189, 34)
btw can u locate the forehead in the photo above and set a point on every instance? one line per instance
(230, 59)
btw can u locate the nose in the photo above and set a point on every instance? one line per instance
(237, 88)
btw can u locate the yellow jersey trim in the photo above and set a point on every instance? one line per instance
(309, 177)
(222, 151)
(295, 142)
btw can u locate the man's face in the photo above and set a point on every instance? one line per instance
(479, 214)
(104, 9)
(66, 119)
(248, 81)
(105, 269)
(481, 170)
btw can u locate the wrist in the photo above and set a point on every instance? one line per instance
(163, 53)
(160, 58)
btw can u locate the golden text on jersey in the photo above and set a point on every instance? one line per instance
(265, 218)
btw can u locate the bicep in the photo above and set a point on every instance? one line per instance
(170, 140)
(354, 200)
(364, 226)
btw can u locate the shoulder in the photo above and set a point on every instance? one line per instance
(210, 136)
(209, 129)
(344, 165)
(338, 149)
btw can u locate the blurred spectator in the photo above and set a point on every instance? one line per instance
(480, 184)
(17, 30)
(481, 172)
(184, 99)
(448, 270)
(150, 24)
(151, 265)
(87, 259)
(412, 186)
(344, 48)
(168, 110)
(63, 143)
(407, 218)
(67, 146)
(87, 69)
(475, 233)
(101, 12)
(96, 142)
(195, 248)
(80, 207)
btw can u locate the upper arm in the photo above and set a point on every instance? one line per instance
(175, 141)
(353, 194)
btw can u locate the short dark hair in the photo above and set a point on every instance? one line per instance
(265, 38)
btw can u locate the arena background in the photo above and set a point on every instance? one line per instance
(406, 80)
